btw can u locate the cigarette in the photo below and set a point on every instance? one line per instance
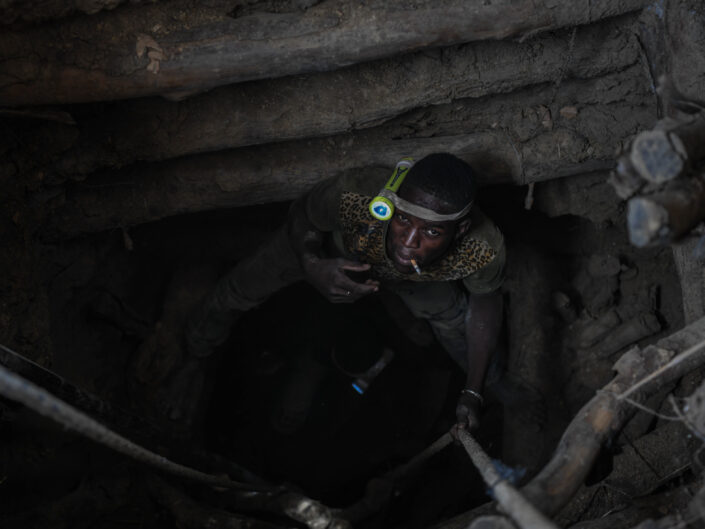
(416, 266)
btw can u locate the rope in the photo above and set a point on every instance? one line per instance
(44, 403)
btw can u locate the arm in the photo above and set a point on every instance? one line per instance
(325, 274)
(483, 321)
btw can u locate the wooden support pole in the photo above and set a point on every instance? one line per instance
(188, 514)
(504, 137)
(274, 173)
(524, 514)
(670, 149)
(356, 97)
(662, 218)
(640, 373)
(40, 10)
(128, 424)
(167, 48)
(379, 491)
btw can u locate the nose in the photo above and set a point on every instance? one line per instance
(411, 238)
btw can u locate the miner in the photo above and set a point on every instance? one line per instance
(421, 236)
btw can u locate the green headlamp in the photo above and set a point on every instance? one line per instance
(381, 207)
(384, 204)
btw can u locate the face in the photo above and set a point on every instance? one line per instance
(426, 241)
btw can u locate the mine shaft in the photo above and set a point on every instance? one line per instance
(328, 264)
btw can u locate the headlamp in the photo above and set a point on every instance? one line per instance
(383, 205)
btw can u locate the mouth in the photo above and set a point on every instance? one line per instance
(404, 259)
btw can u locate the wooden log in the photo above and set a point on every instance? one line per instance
(356, 97)
(628, 512)
(132, 426)
(128, 424)
(640, 373)
(629, 332)
(165, 49)
(491, 522)
(658, 156)
(691, 277)
(692, 517)
(379, 491)
(652, 462)
(522, 512)
(504, 137)
(664, 217)
(188, 514)
(33, 11)
(260, 175)
(669, 150)
(94, 499)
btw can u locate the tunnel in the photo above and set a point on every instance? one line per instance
(150, 147)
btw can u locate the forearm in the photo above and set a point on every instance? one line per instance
(483, 322)
(329, 275)
(305, 238)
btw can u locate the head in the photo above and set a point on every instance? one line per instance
(440, 182)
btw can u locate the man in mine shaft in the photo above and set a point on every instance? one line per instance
(420, 236)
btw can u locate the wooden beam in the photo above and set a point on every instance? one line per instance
(664, 217)
(642, 466)
(189, 514)
(33, 11)
(508, 138)
(670, 149)
(639, 373)
(606, 413)
(355, 97)
(166, 49)
(691, 276)
(521, 511)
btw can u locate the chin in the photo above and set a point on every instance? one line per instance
(403, 268)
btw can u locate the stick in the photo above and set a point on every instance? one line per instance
(676, 368)
(379, 490)
(515, 505)
(18, 389)
(664, 217)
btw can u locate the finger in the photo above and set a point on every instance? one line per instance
(372, 282)
(341, 299)
(358, 290)
(342, 295)
(455, 432)
(353, 266)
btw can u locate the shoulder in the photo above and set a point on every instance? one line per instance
(485, 236)
(482, 228)
(326, 199)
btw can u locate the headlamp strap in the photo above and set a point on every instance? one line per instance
(383, 205)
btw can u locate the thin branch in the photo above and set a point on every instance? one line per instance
(672, 365)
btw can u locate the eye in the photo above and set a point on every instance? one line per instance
(432, 232)
(402, 218)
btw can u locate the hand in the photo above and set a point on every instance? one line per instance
(329, 278)
(468, 414)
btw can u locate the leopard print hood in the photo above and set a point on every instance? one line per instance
(363, 236)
